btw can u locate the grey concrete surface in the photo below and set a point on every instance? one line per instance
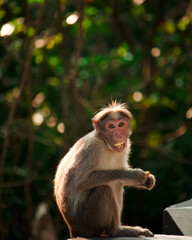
(156, 237)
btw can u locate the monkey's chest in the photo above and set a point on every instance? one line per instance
(112, 163)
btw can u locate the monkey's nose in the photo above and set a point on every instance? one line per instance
(119, 136)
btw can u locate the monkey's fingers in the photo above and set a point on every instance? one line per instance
(150, 182)
(147, 183)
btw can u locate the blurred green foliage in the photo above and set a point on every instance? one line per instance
(62, 60)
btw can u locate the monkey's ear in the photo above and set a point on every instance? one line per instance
(95, 124)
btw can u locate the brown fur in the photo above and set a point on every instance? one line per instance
(89, 183)
(113, 107)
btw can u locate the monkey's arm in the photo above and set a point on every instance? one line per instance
(129, 177)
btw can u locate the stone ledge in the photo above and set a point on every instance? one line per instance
(156, 237)
(177, 219)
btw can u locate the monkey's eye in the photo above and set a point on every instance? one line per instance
(121, 124)
(111, 126)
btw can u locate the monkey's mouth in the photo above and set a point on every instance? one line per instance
(120, 145)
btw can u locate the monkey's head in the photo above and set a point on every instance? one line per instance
(113, 124)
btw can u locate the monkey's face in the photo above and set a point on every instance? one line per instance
(116, 133)
(113, 125)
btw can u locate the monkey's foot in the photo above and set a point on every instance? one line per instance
(127, 231)
(146, 232)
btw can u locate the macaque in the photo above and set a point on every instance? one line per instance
(90, 179)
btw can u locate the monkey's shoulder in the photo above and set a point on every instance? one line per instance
(86, 149)
(89, 147)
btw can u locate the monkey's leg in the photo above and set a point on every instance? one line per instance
(127, 231)
(96, 215)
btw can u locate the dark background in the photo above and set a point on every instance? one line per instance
(55, 73)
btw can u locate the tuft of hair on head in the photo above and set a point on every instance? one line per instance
(114, 106)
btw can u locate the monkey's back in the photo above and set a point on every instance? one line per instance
(73, 168)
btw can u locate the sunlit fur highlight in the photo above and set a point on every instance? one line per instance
(114, 106)
(90, 180)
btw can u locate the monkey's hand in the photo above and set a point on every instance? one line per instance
(143, 180)
(140, 177)
(150, 182)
